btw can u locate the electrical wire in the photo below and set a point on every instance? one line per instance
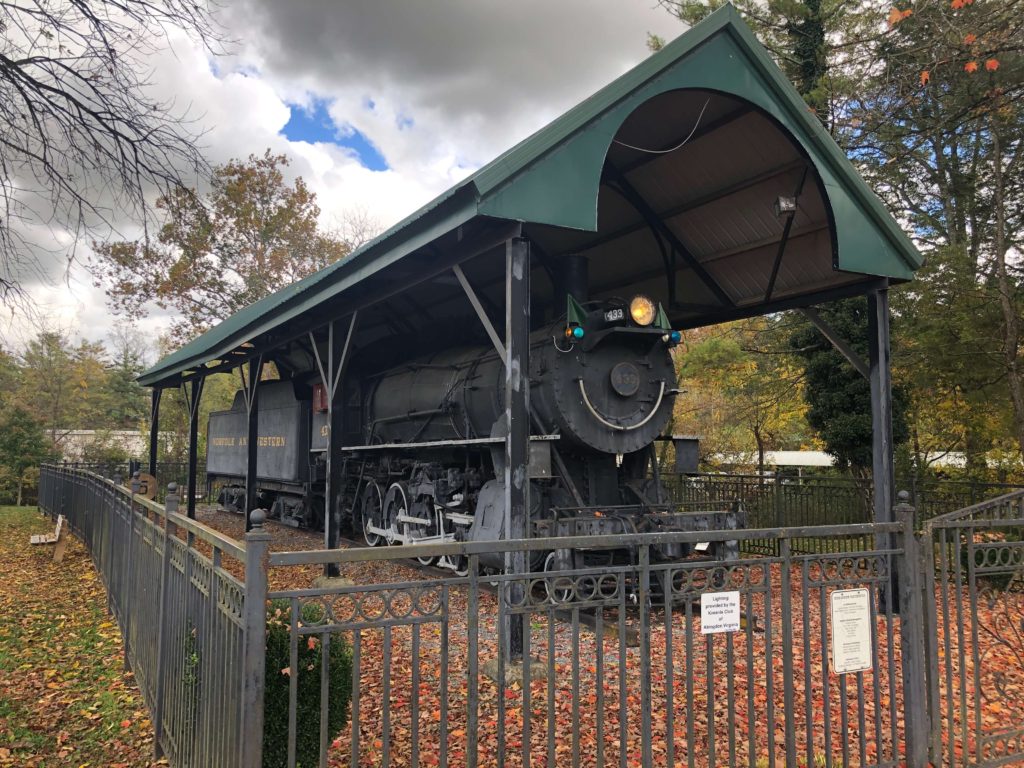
(677, 146)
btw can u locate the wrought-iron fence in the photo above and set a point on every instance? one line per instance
(853, 644)
(623, 669)
(975, 568)
(180, 609)
(825, 500)
(167, 472)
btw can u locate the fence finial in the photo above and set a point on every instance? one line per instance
(257, 517)
(171, 499)
(903, 497)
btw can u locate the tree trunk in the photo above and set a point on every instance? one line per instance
(20, 484)
(760, 455)
(1011, 323)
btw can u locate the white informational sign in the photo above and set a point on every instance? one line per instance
(851, 630)
(719, 612)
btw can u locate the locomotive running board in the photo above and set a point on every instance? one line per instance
(443, 443)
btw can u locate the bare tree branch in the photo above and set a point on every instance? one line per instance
(82, 139)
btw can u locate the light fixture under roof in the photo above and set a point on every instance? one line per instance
(784, 206)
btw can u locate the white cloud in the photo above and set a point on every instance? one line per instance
(452, 84)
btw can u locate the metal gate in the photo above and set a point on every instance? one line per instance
(976, 633)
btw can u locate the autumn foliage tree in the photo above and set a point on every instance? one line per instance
(927, 98)
(941, 137)
(742, 391)
(251, 235)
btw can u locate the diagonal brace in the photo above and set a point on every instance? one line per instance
(837, 341)
(480, 313)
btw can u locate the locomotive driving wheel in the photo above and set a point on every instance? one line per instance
(372, 506)
(396, 502)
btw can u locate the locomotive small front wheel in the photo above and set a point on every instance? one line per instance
(559, 588)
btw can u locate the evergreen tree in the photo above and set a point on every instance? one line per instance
(23, 447)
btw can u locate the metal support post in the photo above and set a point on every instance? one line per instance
(251, 393)
(910, 565)
(193, 393)
(883, 471)
(517, 417)
(332, 378)
(881, 404)
(154, 429)
(254, 615)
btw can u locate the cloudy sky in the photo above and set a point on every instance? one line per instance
(380, 104)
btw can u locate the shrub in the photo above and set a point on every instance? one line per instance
(310, 659)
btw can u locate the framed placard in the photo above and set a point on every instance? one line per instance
(719, 612)
(850, 624)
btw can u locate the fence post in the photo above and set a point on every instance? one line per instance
(110, 518)
(257, 547)
(170, 506)
(128, 586)
(931, 634)
(910, 579)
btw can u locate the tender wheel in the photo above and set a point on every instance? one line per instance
(462, 566)
(372, 506)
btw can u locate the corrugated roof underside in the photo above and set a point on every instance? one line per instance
(716, 194)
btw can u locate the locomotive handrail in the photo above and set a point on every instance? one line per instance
(603, 420)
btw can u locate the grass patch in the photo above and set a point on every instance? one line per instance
(65, 698)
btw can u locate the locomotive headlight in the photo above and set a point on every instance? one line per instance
(642, 310)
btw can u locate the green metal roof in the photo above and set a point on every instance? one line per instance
(554, 176)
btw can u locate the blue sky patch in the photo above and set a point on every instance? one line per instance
(315, 125)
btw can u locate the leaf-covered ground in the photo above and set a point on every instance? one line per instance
(65, 699)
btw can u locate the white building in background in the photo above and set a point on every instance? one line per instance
(811, 460)
(75, 443)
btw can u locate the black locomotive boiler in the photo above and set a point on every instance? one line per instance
(424, 462)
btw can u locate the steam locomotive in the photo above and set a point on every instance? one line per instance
(425, 459)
